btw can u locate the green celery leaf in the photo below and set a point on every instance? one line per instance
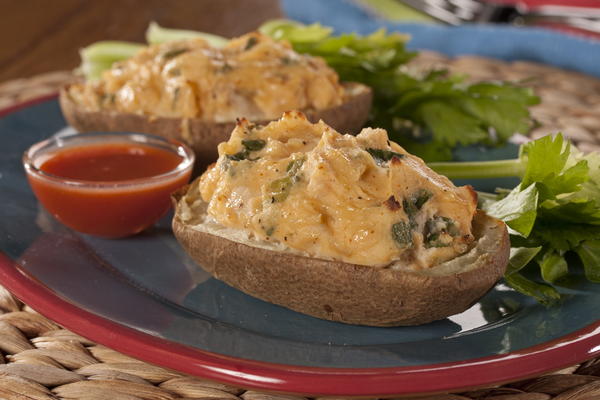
(546, 158)
(504, 91)
(493, 113)
(518, 210)
(501, 106)
(589, 252)
(436, 105)
(445, 119)
(355, 57)
(553, 266)
(590, 189)
(517, 241)
(520, 257)
(556, 208)
(564, 236)
(569, 180)
(431, 88)
(545, 294)
(575, 210)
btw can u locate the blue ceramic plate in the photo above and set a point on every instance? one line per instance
(145, 297)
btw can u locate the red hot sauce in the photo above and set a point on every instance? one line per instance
(109, 189)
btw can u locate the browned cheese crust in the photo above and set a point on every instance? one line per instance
(343, 292)
(204, 136)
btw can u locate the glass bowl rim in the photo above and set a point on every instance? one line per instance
(91, 138)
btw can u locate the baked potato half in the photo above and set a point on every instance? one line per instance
(355, 294)
(201, 135)
(341, 227)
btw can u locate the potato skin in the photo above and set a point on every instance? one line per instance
(343, 292)
(204, 136)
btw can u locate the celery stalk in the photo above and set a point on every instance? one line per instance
(93, 70)
(156, 34)
(480, 169)
(109, 51)
(100, 56)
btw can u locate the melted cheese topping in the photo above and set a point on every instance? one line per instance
(252, 75)
(361, 200)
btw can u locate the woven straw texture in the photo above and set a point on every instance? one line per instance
(39, 360)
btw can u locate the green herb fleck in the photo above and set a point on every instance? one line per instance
(239, 156)
(174, 53)
(402, 234)
(409, 208)
(451, 227)
(421, 197)
(252, 41)
(175, 97)
(249, 146)
(225, 68)
(279, 189)
(270, 231)
(287, 61)
(381, 156)
(415, 202)
(107, 98)
(433, 240)
(174, 72)
(253, 145)
(439, 232)
(294, 166)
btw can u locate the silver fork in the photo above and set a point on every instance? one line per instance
(453, 12)
(456, 12)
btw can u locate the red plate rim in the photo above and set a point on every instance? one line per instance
(424, 379)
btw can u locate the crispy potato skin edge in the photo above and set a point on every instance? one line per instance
(340, 291)
(203, 136)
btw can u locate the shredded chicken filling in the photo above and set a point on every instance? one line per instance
(252, 75)
(358, 199)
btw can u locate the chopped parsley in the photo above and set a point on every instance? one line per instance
(439, 232)
(174, 53)
(176, 93)
(253, 145)
(402, 234)
(279, 189)
(249, 146)
(382, 156)
(421, 197)
(415, 202)
(252, 41)
(294, 166)
(239, 156)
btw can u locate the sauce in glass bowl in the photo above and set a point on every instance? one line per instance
(107, 184)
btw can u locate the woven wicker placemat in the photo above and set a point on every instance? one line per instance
(39, 360)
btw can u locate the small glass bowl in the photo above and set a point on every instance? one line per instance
(108, 209)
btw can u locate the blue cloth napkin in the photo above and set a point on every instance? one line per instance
(502, 42)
